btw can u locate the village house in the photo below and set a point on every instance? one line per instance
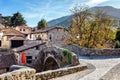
(24, 29)
(49, 34)
(27, 53)
(10, 38)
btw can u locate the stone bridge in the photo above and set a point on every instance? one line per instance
(49, 58)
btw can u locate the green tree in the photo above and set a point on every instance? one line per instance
(42, 24)
(17, 20)
(6, 21)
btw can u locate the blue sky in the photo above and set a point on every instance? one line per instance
(34, 10)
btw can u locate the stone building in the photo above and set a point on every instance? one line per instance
(10, 38)
(24, 29)
(30, 51)
(49, 34)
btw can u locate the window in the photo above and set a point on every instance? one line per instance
(35, 57)
(37, 47)
(20, 29)
(23, 29)
(50, 37)
(29, 59)
(0, 42)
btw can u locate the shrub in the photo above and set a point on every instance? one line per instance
(118, 35)
(117, 44)
(68, 54)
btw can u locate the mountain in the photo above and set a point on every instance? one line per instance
(65, 21)
(111, 11)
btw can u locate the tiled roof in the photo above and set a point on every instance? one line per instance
(48, 29)
(11, 31)
(24, 27)
(26, 47)
(17, 38)
(7, 59)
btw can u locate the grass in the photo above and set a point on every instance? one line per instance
(68, 54)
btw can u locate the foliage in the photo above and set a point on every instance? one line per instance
(118, 35)
(5, 20)
(68, 54)
(17, 20)
(92, 30)
(117, 44)
(42, 24)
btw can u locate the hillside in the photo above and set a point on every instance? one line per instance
(65, 21)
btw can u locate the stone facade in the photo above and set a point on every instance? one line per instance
(24, 29)
(8, 35)
(31, 50)
(49, 34)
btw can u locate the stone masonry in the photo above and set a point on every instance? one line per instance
(30, 74)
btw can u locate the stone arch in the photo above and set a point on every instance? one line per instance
(50, 63)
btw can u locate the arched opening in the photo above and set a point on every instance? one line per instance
(50, 64)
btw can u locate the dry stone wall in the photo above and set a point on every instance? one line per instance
(93, 52)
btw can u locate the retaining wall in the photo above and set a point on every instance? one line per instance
(93, 52)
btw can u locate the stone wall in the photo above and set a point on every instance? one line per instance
(21, 74)
(30, 74)
(59, 72)
(93, 52)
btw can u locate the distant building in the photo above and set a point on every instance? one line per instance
(24, 29)
(52, 34)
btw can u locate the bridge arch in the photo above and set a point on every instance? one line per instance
(50, 63)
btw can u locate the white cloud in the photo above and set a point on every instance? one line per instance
(92, 3)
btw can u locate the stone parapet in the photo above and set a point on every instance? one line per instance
(30, 74)
(59, 72)
(21, 74)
